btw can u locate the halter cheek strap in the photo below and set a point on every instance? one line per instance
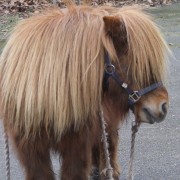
(134, 96)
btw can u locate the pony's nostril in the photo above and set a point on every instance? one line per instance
(164, 108)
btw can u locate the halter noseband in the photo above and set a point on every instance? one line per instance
(134, 96)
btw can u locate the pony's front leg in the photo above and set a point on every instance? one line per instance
(34, 157)
(75, 149)
(113, 149)
(113, 140)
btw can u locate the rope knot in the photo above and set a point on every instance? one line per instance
(134, 128)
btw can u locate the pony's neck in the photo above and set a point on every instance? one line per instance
(115, 109)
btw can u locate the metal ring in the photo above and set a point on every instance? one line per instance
(110, 69)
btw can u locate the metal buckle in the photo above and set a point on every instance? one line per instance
(134, 97)
(109, 69)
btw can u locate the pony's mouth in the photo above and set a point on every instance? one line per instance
(151, 119)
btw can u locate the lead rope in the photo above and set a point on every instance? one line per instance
(108, 171)
(134, 130)
(7, 159)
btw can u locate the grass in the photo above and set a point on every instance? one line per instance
(7, 22)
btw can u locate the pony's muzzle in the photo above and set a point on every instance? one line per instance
(155, 114)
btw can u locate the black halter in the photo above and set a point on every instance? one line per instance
(134, 96)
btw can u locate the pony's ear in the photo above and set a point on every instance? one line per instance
(116, 30)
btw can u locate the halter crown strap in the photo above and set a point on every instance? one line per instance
(110, 71)
(134, 96)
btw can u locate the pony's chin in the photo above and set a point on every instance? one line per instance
(148, 118)
(147, 121)
(151, 121)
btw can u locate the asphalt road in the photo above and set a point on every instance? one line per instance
(157, 149)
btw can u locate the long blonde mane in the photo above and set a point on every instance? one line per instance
(53, 64)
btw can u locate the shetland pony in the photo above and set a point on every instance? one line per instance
(52, 86)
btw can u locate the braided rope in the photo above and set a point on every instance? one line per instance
(134, 129)
(108, 171)
(7, 159)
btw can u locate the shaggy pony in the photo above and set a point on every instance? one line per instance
(52, 71)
